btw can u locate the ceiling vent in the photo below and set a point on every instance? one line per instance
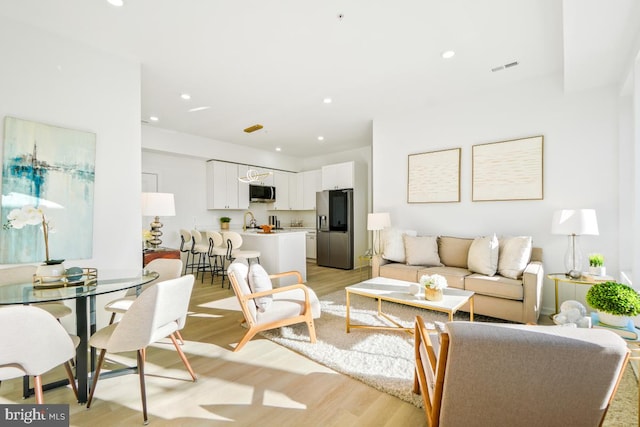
(505, 66)
(253, 128)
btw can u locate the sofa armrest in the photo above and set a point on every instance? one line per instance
(376, 262)
(532, 280)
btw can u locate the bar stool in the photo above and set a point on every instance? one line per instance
(234, 242)
(201, 249)
(186, 245)
(218, 252)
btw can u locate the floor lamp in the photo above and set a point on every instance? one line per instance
(375, 223)
(157, 205)
(574, 223)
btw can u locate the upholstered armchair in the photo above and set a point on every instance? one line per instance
(487, 374)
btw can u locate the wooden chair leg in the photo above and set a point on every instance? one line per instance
(247, 337)
(37, 387)
(143, 391)
(183, 357)
(312, 330)
(96, 375)
(72, 380)
(179, 335)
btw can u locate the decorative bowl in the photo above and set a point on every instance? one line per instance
(266, 228)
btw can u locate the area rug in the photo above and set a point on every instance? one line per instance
(385, 359)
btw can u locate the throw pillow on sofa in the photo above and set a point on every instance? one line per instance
(514, 255)
(454, 251)
(422, 250)
(393, 244)
(483, 255)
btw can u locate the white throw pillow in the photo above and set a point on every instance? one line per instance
(393, 244)
(259, 281)
(515, 254)
(422, 250)
(483, 255)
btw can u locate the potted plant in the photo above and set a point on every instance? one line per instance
(615, 302)
(224, 222)
(433, 286)
(596, 265)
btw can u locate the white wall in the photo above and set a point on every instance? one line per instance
(580, 160)
(52, 80)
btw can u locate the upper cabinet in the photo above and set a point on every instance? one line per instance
(338, 176)
(281, 182)
(311, 184)
(222, 186)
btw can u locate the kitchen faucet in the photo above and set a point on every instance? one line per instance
(244, 220)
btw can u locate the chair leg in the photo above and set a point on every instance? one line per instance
(312, 330)
(113, 317)
(247, 337)
(96, 375)
(37, 387)
(72, 380)
(143, 390)
(183, 357)
(416, 383)
(179, 335)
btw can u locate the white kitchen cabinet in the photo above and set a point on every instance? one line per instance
(311, 244)
(222, 185)
(295, 191)
(243, 188)
(267, 179)
(338, 176)
(311, 184)
(281, 182)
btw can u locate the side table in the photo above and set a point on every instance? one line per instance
(149, 255)
(365, 260)
(562, 277)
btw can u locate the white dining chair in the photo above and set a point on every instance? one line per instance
(36, 344)
(24, 274)
(158, 312)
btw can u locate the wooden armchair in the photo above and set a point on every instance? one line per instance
(291, 304)
(488, 374)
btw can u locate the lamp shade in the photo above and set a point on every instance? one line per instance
(378, 221)
(575, 221)
(158, 204)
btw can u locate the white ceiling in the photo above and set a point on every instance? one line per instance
(273, 62)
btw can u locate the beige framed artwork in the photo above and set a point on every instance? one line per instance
(508, 170)
(434, 177)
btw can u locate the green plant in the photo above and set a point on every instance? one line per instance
(225, 219)
(596, 260)
(614, 298)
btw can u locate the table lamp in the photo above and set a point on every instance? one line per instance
(573, 223)
(375, 223)
(157, 205)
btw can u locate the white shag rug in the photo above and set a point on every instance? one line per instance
(381, 359)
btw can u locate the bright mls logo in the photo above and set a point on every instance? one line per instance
(34, 415)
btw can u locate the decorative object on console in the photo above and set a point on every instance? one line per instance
(572, 314)
(224, 222)
(508, 170)
(157, 205)
(596, 265)
(37, 159)
(375, 223)
(615, 302)
(433, 286)
(434, 177)
(573, 223)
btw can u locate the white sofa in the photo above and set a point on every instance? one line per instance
(506, 274)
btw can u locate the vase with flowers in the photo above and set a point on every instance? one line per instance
(30, 215)
(433, 286)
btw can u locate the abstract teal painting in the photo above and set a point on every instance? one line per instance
(52, 169)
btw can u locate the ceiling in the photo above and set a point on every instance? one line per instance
(274, 62)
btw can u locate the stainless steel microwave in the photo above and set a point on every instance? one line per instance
(262, 193)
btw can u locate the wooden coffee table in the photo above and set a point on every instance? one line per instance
(397, 291)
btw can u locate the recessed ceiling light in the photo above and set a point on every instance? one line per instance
(321, 138)
(327, 100)
(185, 96)
(447, 54)
(278, 149)
(193, 110)
(154, 118)
(117, 3)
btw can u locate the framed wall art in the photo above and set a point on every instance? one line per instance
(52, 170)
(434, 177)
(508, 170)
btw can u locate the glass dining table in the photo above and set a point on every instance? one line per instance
(84, 295)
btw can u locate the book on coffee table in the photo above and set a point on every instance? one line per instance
(628, 331)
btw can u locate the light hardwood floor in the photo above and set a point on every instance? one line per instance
(263, 384)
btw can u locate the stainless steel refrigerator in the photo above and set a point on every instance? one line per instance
(334, 225)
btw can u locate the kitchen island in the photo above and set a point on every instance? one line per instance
(280, 251)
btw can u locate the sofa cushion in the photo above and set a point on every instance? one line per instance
(421, 250)
(393, 243)
(496, 286)
(408, 273)
(260, 281)
(514, 255)
(454, 251)
(483, 255)
(454, 275)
